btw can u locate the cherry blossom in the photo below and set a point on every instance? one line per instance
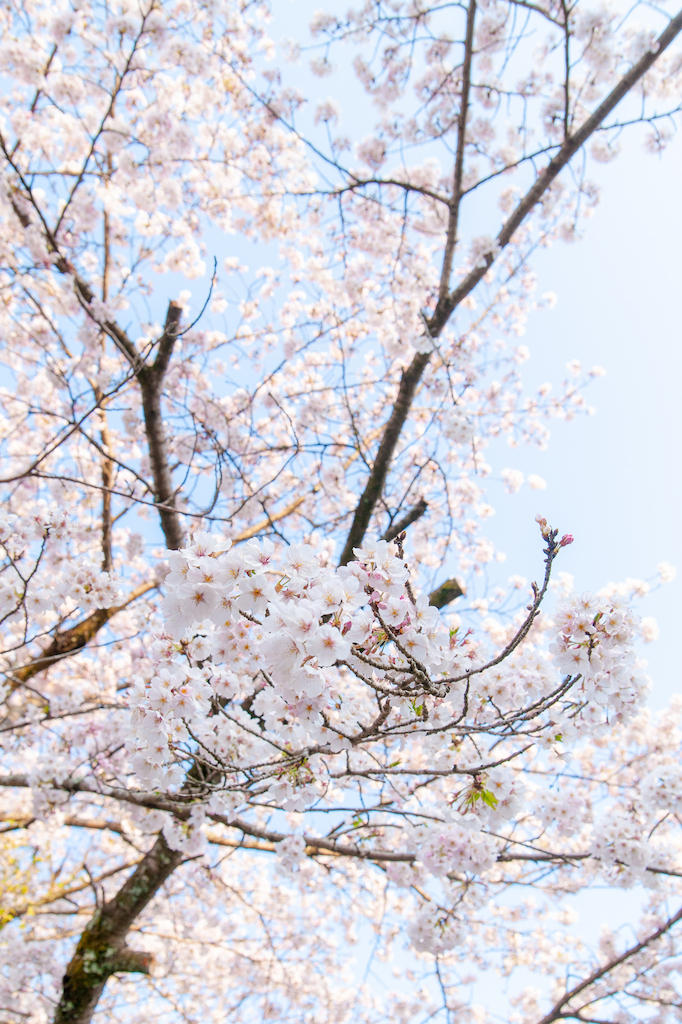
(260, 715)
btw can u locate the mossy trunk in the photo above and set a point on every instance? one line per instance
(102, 949)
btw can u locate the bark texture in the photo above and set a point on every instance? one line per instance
(102, 949)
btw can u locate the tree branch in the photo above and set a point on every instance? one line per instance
(70, 641)
(416, 512)
(559, 1010)
(150, 378)
(456, 198)
(447, 304)
(570, 147)
(445, 593)
(374, 486)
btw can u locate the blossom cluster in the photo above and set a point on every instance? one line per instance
(277, 673)
(455, 847)
(596, 641)
(44, 575)
(434, 930)
(308, 648)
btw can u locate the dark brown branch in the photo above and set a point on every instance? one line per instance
(416, 512)
(445, 593)
(567, 69)
(167, 340)
(412, 375)
(70, 641)
(560, 1011)
(107, 475)
(107, 470)
(568, 150)
(180, 807)
(107, 478)
(150, 377)
(84, 292)
(374, 486)
(456, 199)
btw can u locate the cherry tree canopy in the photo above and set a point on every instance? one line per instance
(261, 753)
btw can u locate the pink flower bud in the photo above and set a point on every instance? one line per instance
(566, 539)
